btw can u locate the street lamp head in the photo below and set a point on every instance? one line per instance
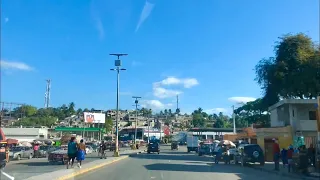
(113, 69)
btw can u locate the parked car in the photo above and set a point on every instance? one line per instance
(19, 152)
(206, 149)
(45, 150)
(89, 149)
(153, 147)
(249, 153)
(60, 156)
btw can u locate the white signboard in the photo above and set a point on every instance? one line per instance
(94, 117)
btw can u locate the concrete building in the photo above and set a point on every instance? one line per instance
(300, 114)
(26, 134)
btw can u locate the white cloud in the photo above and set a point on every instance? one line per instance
(161, 92)
(6, 20)
(216, 110)
(241, 99)
(15, 65)
(187, 82)
(155, 104)
(146, 11)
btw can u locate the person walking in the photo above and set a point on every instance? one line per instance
(289, 157)
(103, 149)
(36, 150)
(72, 151)
(284, 157)
(276, 154)
(81, 152)
(312, 155)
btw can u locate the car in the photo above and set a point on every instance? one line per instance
(45, 150)
(153, 147)
(19, 152)
(206, 149)
(60, 156)
(249, 153)
(89, 149)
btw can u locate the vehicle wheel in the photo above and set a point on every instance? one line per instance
(262, 163)
(30, 156)
(158, 152)
(19, 157)
(148, 152)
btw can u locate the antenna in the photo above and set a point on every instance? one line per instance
(47, 94)
(177, 110)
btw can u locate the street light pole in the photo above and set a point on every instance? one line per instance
(118, 69)
(136, 124)
(234, 120)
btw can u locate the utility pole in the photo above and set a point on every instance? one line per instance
(117, 63)
(234, 120)
(136, 124)
(318, 125)
(47, 94)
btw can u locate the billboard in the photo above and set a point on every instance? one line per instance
(94, 117)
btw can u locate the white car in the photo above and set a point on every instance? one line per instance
(89, 149)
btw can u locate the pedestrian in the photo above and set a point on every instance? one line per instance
(289, 157)
(72, 151)
(36, 150)
(218, 155)
(284, 157)
(103, 148)
(81, 153)
(312, 155)
(276, 154)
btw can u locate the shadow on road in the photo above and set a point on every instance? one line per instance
(196, 168)
(170, 156)
(34, 163)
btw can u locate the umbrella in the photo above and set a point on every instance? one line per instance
(227, 143)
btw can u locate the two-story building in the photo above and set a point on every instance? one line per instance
(300, 114)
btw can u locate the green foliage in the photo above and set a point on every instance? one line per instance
(254, 112)
(36, 121)
(293, 72)
(31, 116)
(108, 124)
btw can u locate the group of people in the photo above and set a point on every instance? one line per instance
(76, 151)
(307, 156)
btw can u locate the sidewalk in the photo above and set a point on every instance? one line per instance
(269, 167)
(64, 174)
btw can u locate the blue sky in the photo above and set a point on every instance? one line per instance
(205, 50)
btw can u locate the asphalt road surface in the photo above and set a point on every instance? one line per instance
(24, 169)
(175, 165)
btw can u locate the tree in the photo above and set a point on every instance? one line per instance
(293, 72)
(79, 111)
(199, 118)
(36, 121)
(255, 112)
(24, 111)
(108, 124)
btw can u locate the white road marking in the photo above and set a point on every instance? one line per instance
(161, 175)
(7, 175)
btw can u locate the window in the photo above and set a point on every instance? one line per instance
(312, 115)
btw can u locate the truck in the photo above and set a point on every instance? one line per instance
(192, 143)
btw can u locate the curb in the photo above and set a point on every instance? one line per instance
(296, 176)
(91, 169)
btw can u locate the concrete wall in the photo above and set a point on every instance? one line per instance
(26, 134)
(296, 115)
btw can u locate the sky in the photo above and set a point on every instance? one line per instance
(204, 51)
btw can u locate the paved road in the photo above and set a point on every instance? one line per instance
(27, 168)
(174, 165)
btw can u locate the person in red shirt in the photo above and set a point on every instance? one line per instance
(289, 156)
(276, 154)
